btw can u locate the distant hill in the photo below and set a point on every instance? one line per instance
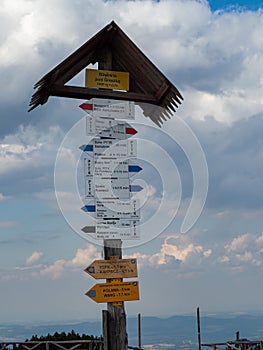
(178, 330)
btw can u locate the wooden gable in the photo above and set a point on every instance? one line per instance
(112, 49)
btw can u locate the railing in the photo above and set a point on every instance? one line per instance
(237, 345)
(54, 345)
(57, 345)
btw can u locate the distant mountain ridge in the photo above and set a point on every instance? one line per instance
(178, 330)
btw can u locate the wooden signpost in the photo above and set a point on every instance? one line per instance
(111, 94)
(108, 178)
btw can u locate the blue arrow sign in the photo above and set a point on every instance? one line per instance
(134, 168)
(86, 148)
(135, 188)
(89, 208)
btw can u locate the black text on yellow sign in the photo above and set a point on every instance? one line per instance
(106, 79)
(114, 268)
(112, 292)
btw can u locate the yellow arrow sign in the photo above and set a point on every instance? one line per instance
(111, 292)
(115, 268)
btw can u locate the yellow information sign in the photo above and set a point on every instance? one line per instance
(112, 292)
(107, 79)
(114, 268)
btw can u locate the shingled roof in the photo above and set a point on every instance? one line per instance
(147, 84)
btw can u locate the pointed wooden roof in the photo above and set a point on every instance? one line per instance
(147, 84)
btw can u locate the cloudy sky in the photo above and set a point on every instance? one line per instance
(213, 52)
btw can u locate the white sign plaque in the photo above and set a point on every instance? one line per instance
(109, 108)
(105, 167)
(112, 149)
(112, 208)
(106, 188)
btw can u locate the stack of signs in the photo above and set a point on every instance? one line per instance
(108, 188)
(115, 291)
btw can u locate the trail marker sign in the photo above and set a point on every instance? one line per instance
(105, 229)
(114, 209)
(109, 128)
(100, 107)
(112, 167)
(111, 292)
(114, 268)
(110, 148)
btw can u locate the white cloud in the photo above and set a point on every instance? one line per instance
(224, 259)
(55, 270)
(85, 256)
(259, 240)
(240, 242)
(186, 35)
(186, 254)
(35, 256)
(29, 148)
(245, 257)
(244, 251)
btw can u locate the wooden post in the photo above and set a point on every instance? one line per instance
(198, 329)
(105, 329)
(139, 332)
(114, 319)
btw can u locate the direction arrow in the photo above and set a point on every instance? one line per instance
(120, 131)
(135, 188)
(115, 268)
(134, 168)
(110, 292)
(109, 108)
(89, 208)
(87, 148)
(110, 148)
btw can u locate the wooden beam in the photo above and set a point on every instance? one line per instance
(88, 93)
